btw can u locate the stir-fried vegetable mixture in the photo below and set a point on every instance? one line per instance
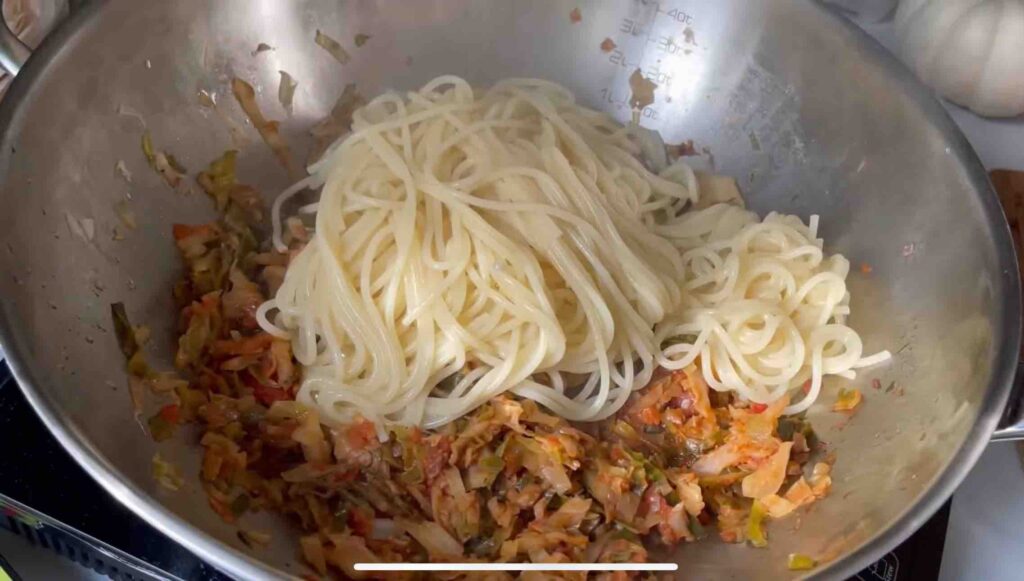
(510, 482)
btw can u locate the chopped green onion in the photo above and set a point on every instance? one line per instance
(123, 330)
(624, 430)
(755, 528)
(147, 149)
(412, 476)
(485, 472)
(799, 562)
(159, 428)
(240, 504)
(696, 527)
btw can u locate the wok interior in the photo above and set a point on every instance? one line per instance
(781, 96)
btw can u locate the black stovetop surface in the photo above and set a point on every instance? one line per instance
(36, 471)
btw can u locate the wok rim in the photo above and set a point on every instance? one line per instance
(1007, 336)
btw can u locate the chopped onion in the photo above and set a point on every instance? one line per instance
(313, 551)
(251, 538)
(777, 506)
(165, 166)
(383, 528)
(717, 189)
(800, 492)
(769, 476)
(652, 147)
(433, 537)
(167, 474)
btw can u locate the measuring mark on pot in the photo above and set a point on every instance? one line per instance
(653, 41)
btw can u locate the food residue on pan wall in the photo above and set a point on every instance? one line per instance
(286, 91)
(209, 101)
(268, 130)
(361, 39)
(164, 164)
(128, 111)
(711, 157)
(84, 228)
(125, 215)
(337, 122)
(684, 149)
(122, 170)
(755, 144)
(642, 95)
(261, 47)
(333, 47)
(608, 45)
(689, 37)
(575, 16)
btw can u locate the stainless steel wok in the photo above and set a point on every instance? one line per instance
(804, 110)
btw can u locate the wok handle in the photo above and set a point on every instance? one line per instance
(1011, 426)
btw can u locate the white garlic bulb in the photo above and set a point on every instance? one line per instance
(971, 51)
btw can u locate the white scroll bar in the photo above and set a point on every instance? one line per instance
(516, 567)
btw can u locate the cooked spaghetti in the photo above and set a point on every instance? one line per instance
(472, 243)
(501, 263)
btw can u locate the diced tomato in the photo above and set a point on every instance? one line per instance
(346, 476)
(436, 457)
(617, 454)
(650, 416)
(684, 402)
(182, 231)
(653, 502)
(361, 435)
(171, 413)
(223, 510)
(268, 395)
(758, 407)
(675, 416)
(360, 521)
